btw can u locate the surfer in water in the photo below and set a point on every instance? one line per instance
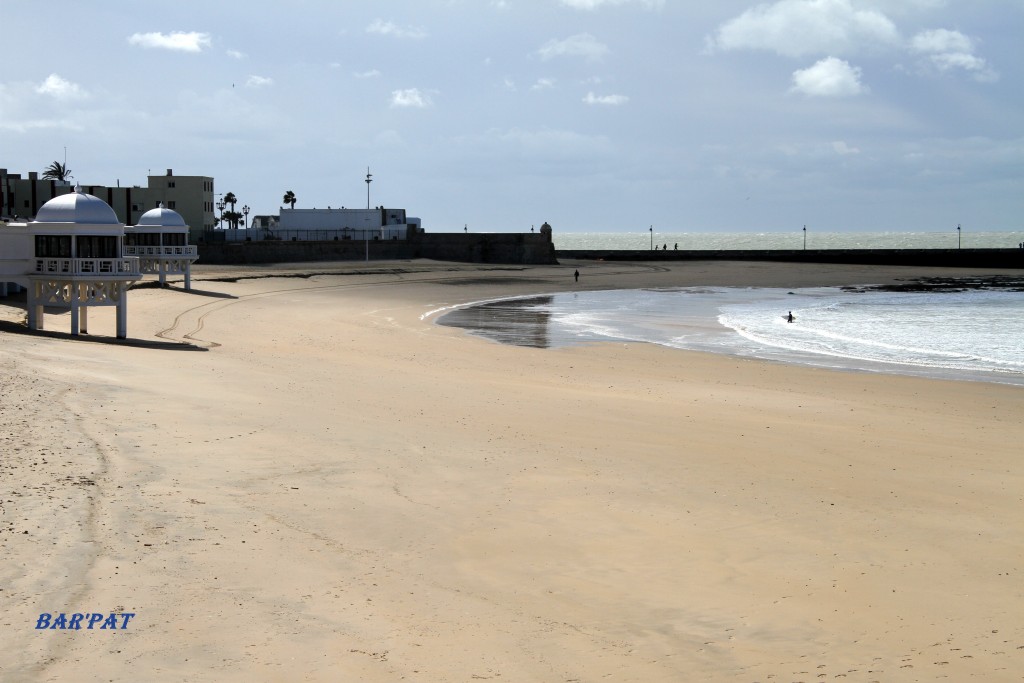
(790, 318)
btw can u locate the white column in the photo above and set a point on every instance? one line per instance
(35, 313)
(122, 311)
(84, 320)
(163, 272)
(74, 308)
(188, 275)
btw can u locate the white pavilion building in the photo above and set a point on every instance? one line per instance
(71, 256)
(160, 241)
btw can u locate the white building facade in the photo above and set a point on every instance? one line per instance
(329, 224)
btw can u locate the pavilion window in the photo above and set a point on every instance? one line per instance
(96, 246)
(53, 246)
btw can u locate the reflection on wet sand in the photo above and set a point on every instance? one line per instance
(520, 322)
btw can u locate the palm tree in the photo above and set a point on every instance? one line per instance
(289, 198)
(231, 199)
(232, 218)
(57, 171)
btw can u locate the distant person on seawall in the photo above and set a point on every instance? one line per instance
(576, 275)
(790, 318)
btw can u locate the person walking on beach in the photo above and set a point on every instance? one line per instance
(576, 275)
(790, 318)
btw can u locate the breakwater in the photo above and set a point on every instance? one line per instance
(525, 248)
(962, 258)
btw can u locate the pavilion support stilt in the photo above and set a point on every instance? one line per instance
(34, 309)
(122, 316)
(74, 309)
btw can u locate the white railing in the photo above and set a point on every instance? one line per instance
(184, 250)
(88, 266)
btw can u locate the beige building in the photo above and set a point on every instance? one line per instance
(191, 196)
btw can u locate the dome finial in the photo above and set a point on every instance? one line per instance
(78, 187)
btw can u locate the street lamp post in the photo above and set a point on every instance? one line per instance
(805, 238)
(652, 237)
(369, 179)
(245, 212)
(220, 207)
(957, 235)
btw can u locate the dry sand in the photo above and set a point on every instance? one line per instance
(321, 486)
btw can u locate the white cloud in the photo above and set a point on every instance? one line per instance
(843, 149)
(829, 77)
(387, 28)
(945, 50)
(595, 4)
(510, 85)
(543, 84)
(181, 41)
(372, 73)
(258, 82)
(795, 28)
(235, 54)
(410, 98)
(904, 6)
(62, 89)
(941, 40)
(580, 45)
(611, 100)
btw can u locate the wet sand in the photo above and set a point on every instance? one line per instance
(289, 475)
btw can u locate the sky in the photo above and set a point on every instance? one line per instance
(499, 115)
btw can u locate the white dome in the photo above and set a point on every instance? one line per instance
(162, 217)
(77, 207)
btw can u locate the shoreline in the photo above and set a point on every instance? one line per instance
(335, 488)
(537, 320)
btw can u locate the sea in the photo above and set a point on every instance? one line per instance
(645, 239)
(969, 329)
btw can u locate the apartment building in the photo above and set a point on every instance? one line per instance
(191, 196)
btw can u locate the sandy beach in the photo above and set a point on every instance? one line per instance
(288, 475)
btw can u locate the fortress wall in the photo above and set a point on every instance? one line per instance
(525, 248)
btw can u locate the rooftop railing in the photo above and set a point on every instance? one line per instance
(185, 250)
(89, 267)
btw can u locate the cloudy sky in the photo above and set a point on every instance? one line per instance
(501, 114)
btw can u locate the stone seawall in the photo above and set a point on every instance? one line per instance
(525, 248)
(969, 258)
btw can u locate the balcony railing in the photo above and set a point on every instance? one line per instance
(89, 267)
(183, 251)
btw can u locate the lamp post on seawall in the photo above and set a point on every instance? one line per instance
(652, 237)
(957, 235)
(369, 179)
(220, 207)
(245, 212)
(805, 238)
